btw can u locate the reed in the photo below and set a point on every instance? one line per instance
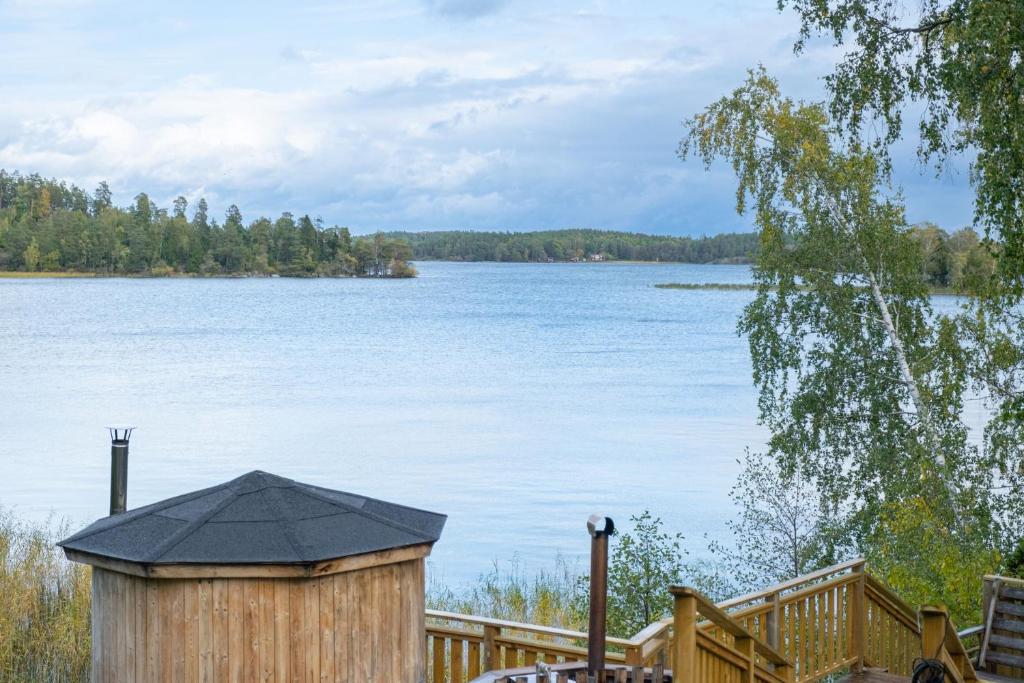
(554, 597)
(44, 607)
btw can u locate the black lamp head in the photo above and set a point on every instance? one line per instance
(599, 525)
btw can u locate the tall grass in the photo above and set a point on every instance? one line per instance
(44, 607)
(553, 598)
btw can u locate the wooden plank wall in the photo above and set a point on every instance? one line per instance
(365, 625)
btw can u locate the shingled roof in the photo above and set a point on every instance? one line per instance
(258, 518)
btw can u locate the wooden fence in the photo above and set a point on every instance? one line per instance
(808, 619)
(822, 623)
(460, 647)
(723, 651)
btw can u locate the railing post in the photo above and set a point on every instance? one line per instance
(492, 653)
(990, 597)
(784, 671)
(858, 621)
(684, 624)
(745, 646)
(634, 656)
(773, 623)
(933, 632)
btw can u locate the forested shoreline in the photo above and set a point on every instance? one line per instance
(53, 226)
(574, 245)
(948, 263)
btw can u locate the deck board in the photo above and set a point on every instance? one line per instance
(873, 676)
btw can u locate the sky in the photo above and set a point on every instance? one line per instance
(422, 114)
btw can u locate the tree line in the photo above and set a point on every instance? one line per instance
(49, 225)
(577, 245)
(960, 261)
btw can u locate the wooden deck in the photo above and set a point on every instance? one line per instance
(873, 676)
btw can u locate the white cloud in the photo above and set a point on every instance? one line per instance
(381, 117)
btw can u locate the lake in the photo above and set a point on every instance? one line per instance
(515, 398)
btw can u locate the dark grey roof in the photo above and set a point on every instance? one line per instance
(258, 518)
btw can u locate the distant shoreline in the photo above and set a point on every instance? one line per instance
(44, 274)
(752, 287)
(725, 286)
(603, 262)
(67, 275)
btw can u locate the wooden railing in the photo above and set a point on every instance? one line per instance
(808, 619)
(724, 650)
(892, 636)
(460, 647)
(821, 623)
(834, 619)
(940, 641)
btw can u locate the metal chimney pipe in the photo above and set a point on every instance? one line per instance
(119, 468)
(600, 529)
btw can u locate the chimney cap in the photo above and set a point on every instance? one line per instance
(120, 433)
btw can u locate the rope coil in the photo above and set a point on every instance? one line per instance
(928, 671)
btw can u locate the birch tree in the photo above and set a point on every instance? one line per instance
(860, 381)
(783, 527)
(962, 62)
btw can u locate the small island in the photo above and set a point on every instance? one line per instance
(52, 228)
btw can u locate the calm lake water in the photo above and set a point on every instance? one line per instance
(515, 398)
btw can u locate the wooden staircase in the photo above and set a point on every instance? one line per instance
(838, 621)
(1000, 652)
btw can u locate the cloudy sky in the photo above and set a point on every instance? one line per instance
(422, 114)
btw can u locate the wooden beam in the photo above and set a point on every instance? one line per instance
(684, 654)
(987, 633)
(357, 562)
(851, 565)
(253, 571)
(720, 618)
(858, 620)
(108, 563)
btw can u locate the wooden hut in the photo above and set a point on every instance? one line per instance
(259, 579)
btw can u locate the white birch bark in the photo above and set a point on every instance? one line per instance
(907, 376)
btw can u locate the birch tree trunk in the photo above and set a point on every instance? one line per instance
(907, 376)
(910, 382)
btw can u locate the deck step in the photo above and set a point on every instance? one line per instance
(1008, 625)
(1015, 661)
(1011, 593)
(996, 640)
(1003, 607)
